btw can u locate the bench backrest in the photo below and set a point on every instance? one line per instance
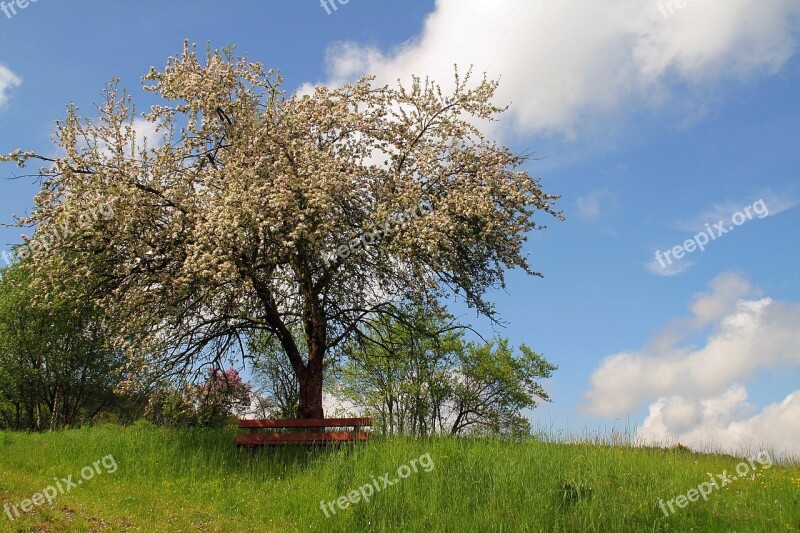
(306, 423)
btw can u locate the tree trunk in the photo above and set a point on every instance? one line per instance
(309, 376)
(54, 412)
(310, 403)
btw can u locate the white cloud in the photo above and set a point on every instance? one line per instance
(725, 423)
(8, 81)
(691, 388)
(726, 290)
(591, 205)
(147, 131)
(565, 64)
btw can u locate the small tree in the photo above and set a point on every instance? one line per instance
(493, 385)
(420, 377)
(398, 370)
(171, 405)
(222, 396)
(56, 369)
(225, 225)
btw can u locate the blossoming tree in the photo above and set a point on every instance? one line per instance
(222, 222)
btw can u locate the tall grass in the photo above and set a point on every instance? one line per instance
(196, 480)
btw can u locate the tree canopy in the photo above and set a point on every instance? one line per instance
(221, 226)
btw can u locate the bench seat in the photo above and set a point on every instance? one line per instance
(313, 438)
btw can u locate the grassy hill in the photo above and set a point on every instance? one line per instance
(142, 478)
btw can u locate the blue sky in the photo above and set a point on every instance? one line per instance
(649, 126)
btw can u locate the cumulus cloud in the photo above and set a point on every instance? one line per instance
(565, 64)
(695, 392)
(726, 290)
(8, 81)
(147, 132)
(724, 422)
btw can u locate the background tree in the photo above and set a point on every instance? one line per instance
(170, 405)
(222, 396)
(492, 386)
(396, 370)
(420, 377)
(223, 227)
(55, 366)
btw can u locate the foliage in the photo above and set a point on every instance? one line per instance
(396, 370)
(493, 385)
(56, 367)
(417, 375)
(277, 387)
(171, 406)
(222, 396)
(210, 404)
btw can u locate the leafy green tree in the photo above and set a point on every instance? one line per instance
(277, 388)
(492, 386)
(56, 367)
(223, 395)
(419, 377)
(397, 369)
(171, 405)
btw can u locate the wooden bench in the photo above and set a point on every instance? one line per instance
(319, 437)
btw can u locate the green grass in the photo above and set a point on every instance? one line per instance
(196, 480)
